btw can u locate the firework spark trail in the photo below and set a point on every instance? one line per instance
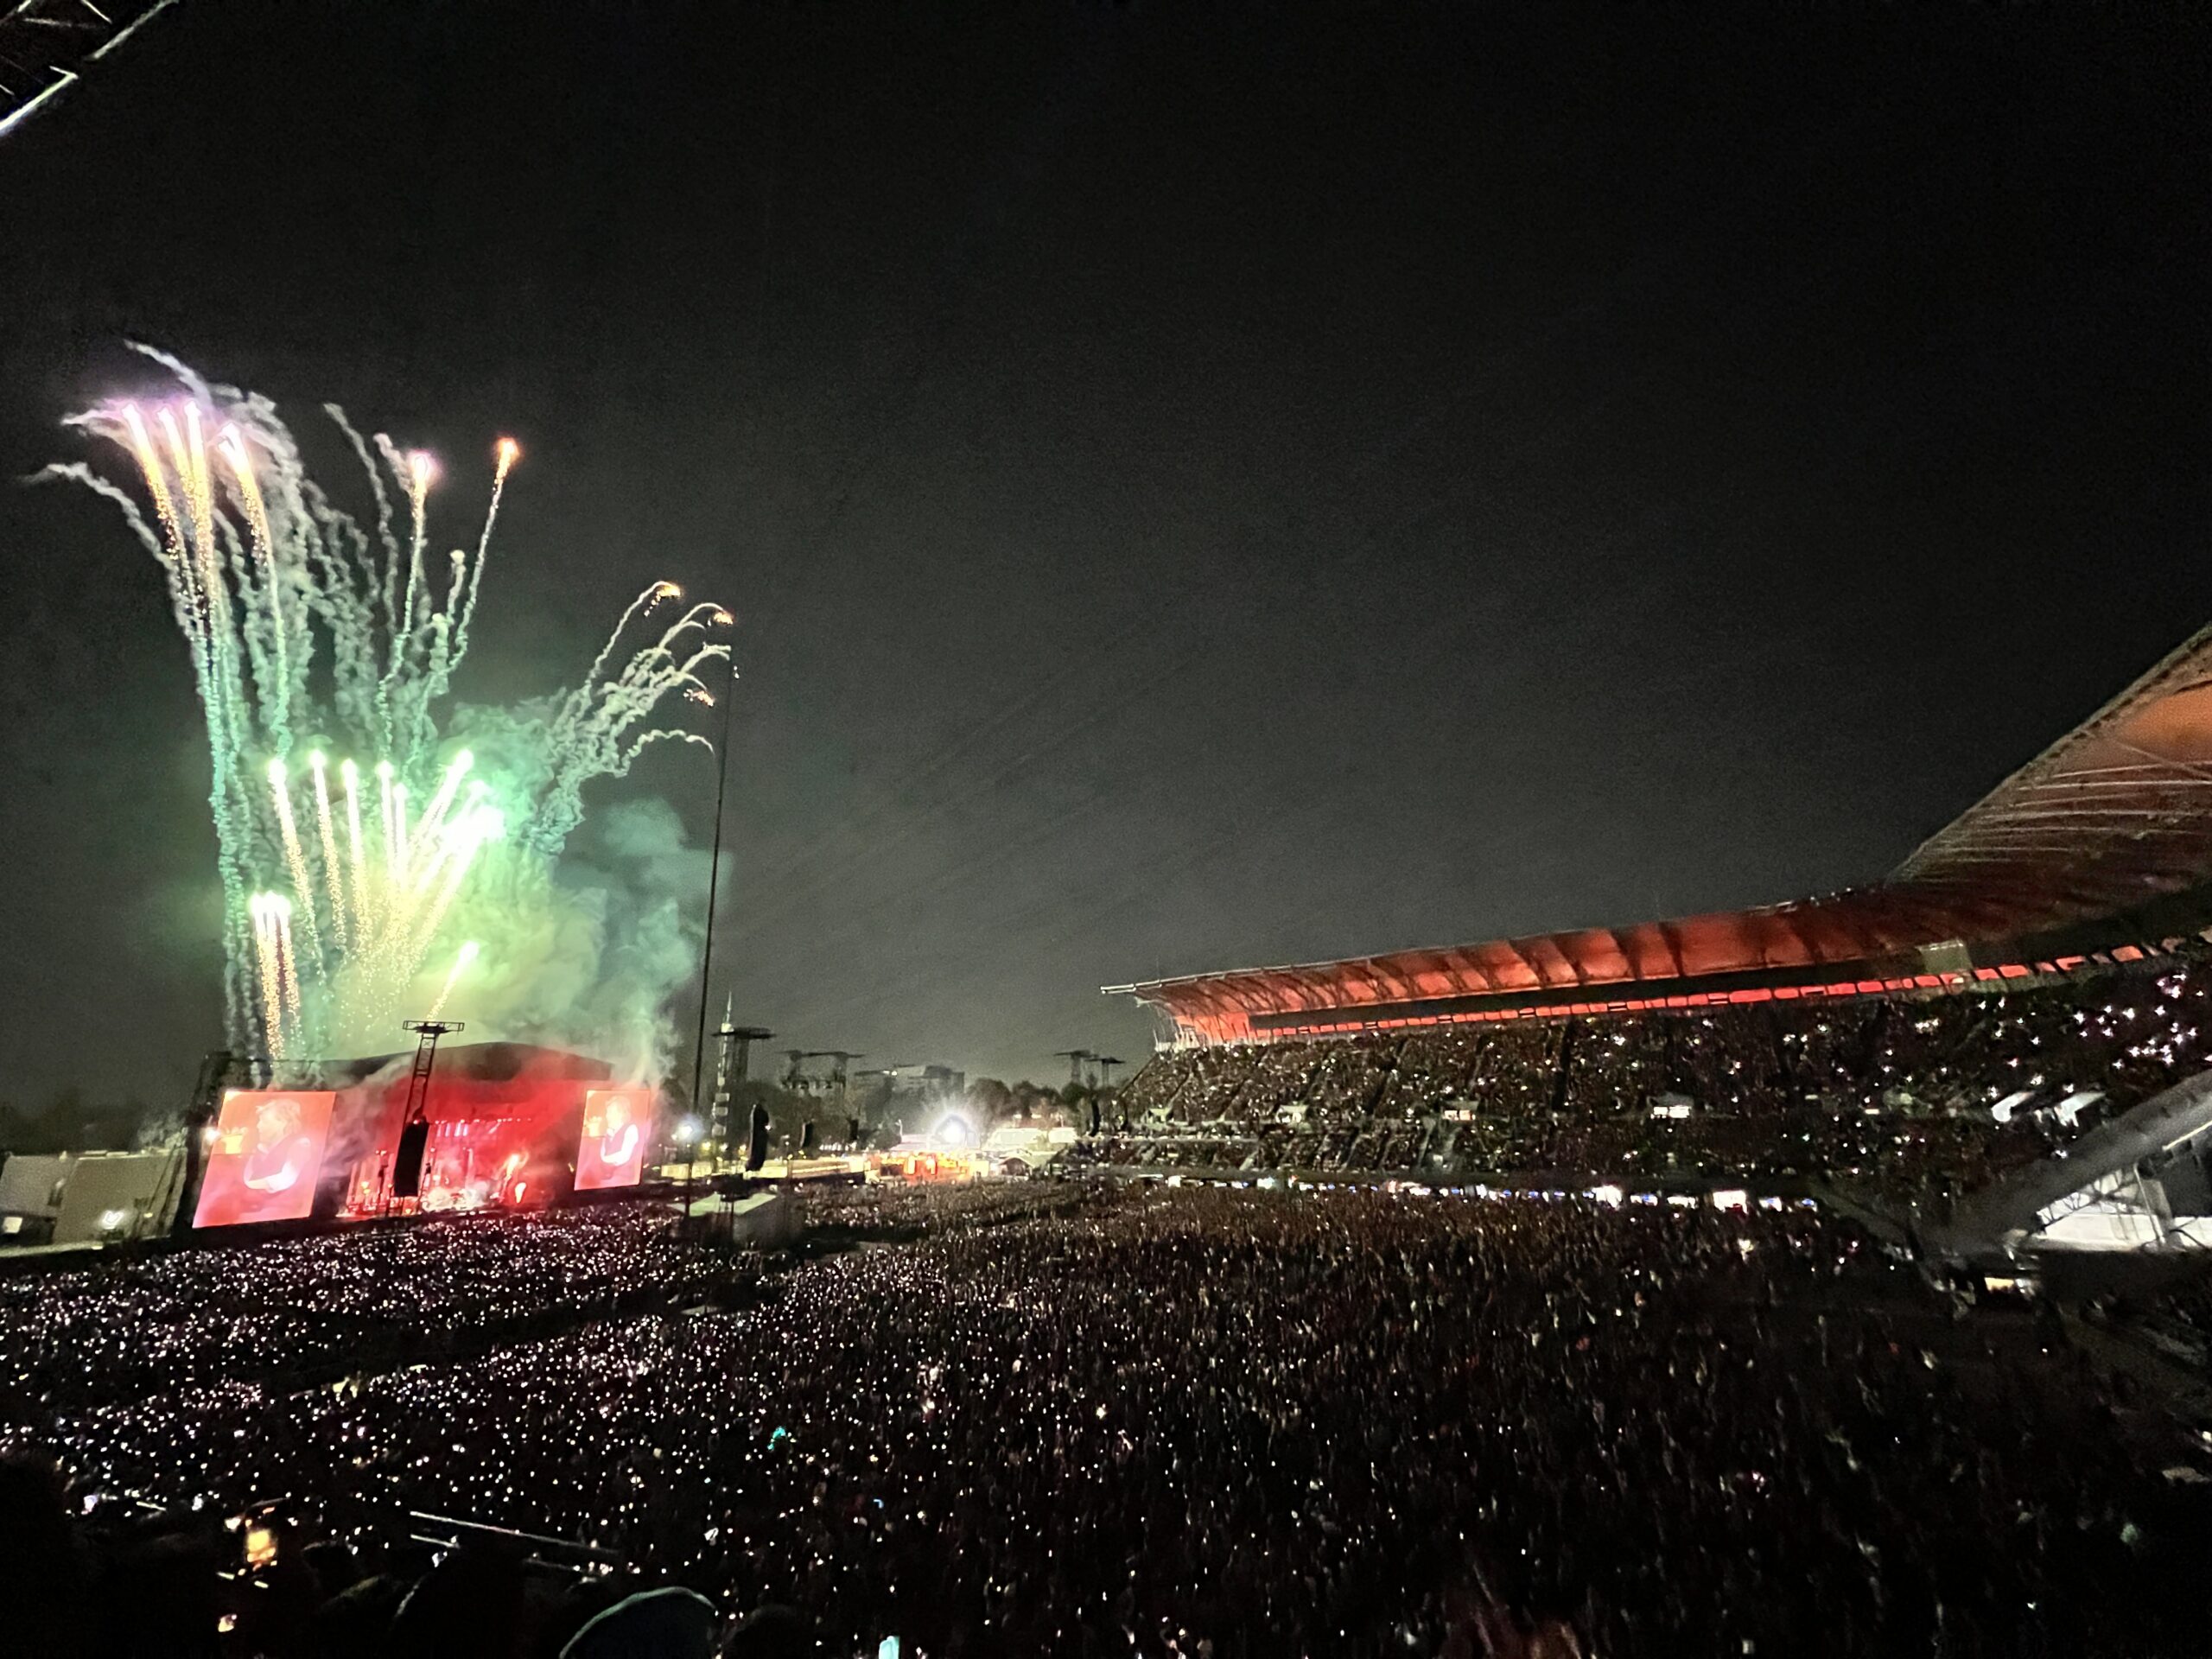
(434, 816)
(189, 460)
(508, 452)
(426, 932)
(468, 951)
(287, 960)
(232, 448)
(424, 873)
(141, 448)
(640, 669)
(196, 549)
(396, 549)
(442, 659)
(389, 826)
(260, 566)
(190, 606)
(407, 714)
(651, 674)
(604, 712)
(644, 741)
(327, 832)
(382, 577)
(269, 955)
(350, 775)
(642, 605)
(295, 858)
(402, 838)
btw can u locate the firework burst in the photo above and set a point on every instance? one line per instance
(298, 619)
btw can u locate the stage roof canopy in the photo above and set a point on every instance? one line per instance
(2112, 816)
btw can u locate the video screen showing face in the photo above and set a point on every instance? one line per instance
(613, 1150)
(266, 1152)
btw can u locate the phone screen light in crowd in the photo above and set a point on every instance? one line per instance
(1608, 1194)
(1732, 1197)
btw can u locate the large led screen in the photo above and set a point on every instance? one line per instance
(266, 1152)
(613, 1150)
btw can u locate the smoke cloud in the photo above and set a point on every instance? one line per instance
(587, 953)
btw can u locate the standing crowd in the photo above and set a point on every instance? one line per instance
(1202, 1421)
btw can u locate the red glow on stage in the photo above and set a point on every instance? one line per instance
(505, 1119)
(266, 1154)
(611, 1151)
(503, 1126)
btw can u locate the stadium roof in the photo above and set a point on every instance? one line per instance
(2109, 818)
(2113, 813)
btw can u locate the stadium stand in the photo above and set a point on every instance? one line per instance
(2035, 969)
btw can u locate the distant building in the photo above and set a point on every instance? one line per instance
(88, 1198)
(929, 1079)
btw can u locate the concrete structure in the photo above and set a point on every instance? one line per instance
(2138, 1182)
(89, 1197)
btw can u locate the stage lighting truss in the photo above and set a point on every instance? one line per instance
(46, 46)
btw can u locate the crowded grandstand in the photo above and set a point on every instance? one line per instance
(2034, 973)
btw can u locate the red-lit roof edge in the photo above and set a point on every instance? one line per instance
(2119, 839)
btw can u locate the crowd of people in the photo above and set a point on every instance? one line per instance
(1929, 1094)
(303, 1310)
(1073, 1417)
(898, 1209)
(1088, 1419)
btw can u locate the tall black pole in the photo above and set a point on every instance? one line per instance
(714, 879)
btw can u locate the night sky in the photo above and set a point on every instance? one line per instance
(1203, 485)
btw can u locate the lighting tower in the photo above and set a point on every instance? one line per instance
(1106, 1064)
(714, 879)
(426, 1054)
(732, 1063)
(1075, 1058)
(406, 1181)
